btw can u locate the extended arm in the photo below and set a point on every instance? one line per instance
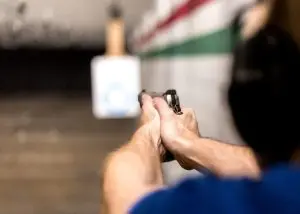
(221, 158)
(130, 173)
(181, 136)
(135, 169)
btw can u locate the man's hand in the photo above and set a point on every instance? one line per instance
(181, 137)
(174, 127)
(149, 122)
(150, 125)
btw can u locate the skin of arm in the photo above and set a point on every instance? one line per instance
(135, 169)
(220, 158)
(130, 173)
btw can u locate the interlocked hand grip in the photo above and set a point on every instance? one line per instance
(171, 97)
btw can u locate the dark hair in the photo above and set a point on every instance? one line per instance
(263, 95)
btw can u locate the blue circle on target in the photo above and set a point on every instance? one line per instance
(118, 100)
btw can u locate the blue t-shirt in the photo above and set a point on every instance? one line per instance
(277, 192)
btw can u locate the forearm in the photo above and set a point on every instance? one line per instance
(130, 173)
(223, 159)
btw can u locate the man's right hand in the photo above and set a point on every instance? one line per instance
(176, 127)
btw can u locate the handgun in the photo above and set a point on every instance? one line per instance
(172, 99)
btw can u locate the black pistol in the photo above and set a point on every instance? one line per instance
(172, 99)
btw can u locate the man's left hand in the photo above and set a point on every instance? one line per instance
(149, 130)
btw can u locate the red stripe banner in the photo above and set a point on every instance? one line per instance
(178, 14)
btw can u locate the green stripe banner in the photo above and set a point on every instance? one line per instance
(213, 43)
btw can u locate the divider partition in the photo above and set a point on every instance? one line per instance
(189, 49)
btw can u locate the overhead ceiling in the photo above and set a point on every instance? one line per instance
(60, 22)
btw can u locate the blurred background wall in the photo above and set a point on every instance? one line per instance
(61, 23)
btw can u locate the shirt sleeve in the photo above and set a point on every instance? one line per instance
(198, 195)
(151, 202)
(170, 200)
(211, 195)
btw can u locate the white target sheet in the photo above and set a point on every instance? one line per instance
(116, 82)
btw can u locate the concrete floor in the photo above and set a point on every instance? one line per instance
(51, 153)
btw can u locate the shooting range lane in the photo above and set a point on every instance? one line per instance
(51, 153)
(52, 147)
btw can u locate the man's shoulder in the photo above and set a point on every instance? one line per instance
(208, 195)
(214, 195)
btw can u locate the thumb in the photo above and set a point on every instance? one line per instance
(165, 112)
(147, 103)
